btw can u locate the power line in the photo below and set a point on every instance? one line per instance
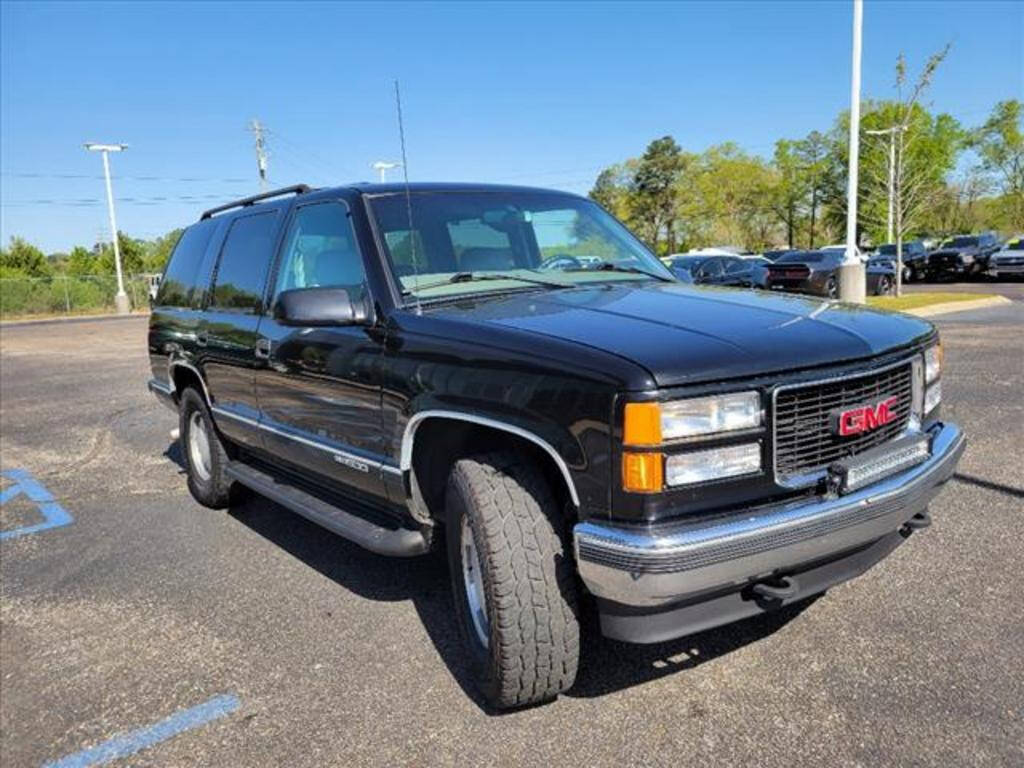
(26, 175)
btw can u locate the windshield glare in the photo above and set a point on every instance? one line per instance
(962, 242)
(563, 239)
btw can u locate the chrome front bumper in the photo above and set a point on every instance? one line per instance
(638, 568)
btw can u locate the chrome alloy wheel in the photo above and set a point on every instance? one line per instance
(199, 446)
(472, 577)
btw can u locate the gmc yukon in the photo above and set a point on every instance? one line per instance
(507, 375)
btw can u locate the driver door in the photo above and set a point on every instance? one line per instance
(319, 391)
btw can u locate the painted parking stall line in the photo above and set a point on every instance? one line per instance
(130, 743)
(54, 515)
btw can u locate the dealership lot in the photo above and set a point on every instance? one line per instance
(141, 604)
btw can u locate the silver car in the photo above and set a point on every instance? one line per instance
(1009, 261)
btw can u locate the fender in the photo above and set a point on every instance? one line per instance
(176, 362)
(409, 437)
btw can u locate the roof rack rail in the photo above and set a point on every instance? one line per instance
(295, 189)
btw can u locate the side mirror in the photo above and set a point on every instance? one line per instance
(319, 307)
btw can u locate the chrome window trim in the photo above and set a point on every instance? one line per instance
(810, 478)
(408, 438)
(351, 460)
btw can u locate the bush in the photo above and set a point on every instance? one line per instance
(64, 295)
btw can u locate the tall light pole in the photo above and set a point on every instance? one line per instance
(851, 271)
(383, 167)
(121, 299)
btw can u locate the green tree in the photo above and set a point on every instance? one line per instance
(132, 256)
(22, 259)
(156, 252)
(1000, 144)
(652, 193)
(81, 261)
(791, 188)
(813, 154)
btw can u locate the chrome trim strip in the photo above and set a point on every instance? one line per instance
(348, 458)
(810, 478)
(636, 567)
(156, 384)
(405, 462)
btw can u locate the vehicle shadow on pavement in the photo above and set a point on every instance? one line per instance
(606, 666)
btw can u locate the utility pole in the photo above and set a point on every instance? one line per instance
(383, 167)
(851, 271)
(121, 298)
(261, 151)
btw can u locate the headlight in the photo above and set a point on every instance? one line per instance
(652, 423)
(932, 397)
(932, 363)
(712, 464)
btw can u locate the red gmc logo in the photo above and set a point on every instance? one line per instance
(864, 418)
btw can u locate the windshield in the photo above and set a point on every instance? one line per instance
(887, 250)
(459, 238)
(962, 242)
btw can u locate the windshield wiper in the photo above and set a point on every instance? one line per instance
(472, 277)
(607, 266)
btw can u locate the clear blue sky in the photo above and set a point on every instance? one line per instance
(523, 93)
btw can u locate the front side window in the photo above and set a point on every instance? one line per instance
(469, 242)
(320, 251)
(244, 261)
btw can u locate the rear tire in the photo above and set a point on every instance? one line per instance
(832, 288)
(513, 580)
(206, 457)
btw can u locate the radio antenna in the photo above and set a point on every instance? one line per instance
(408, 202)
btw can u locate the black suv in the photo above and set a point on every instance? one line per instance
(915, 259)
(508, 375)
(962, 256)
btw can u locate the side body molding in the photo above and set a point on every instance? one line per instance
(405, 462)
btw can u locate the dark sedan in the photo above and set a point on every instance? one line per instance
(817, 273)
(742, 272)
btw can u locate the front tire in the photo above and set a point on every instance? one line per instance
(206, 457)
(513, 580)
(832, 288)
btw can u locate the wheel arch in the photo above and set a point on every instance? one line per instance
(182, 374)
(456, 431)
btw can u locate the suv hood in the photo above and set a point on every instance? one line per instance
(683, 334)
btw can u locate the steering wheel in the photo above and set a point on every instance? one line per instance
(560, 261)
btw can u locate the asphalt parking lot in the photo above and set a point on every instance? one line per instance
(138, 604)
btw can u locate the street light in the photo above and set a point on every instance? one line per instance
(121, 299)
(383, 167)
(851, 271)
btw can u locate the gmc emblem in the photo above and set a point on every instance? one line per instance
(864, 418)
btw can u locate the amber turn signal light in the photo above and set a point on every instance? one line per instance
(642, 424)
(643, 472)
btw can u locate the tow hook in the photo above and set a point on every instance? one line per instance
(783, 589)
(918, 522)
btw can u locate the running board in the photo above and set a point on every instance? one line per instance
(400, 542)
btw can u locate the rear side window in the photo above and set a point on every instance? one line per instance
(178, 288)
(244, 262)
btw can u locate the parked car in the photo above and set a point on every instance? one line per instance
(402, 365)
(817, 273)
(1009, 261)
(962, 256)
(915, 259)
(741, 271)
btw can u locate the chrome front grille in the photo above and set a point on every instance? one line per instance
(804, 441)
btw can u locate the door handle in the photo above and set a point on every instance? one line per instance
(262, 349)
(202, 338)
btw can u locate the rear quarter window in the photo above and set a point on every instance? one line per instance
(178, 287)
(244, 262)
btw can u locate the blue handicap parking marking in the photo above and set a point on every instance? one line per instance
(130, 743)
(54, 515)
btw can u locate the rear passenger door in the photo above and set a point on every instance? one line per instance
(319, 387)
(228, 332)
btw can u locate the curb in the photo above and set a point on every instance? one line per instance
(70, 319)
(958, 306)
